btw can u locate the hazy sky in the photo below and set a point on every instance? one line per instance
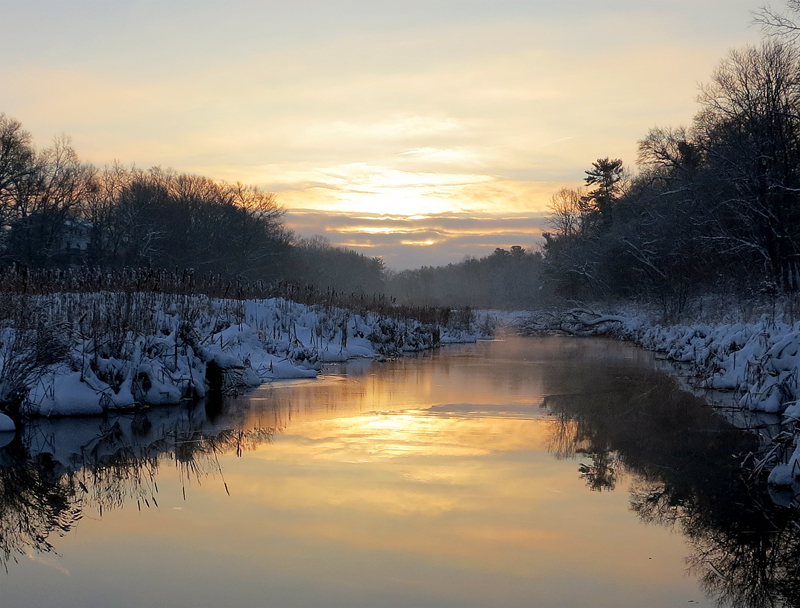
(421, 131)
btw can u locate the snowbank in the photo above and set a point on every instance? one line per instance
(757, 363)
(122, 351)
(6, 424)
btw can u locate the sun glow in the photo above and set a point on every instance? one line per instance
(369, 230)
(369, 189)
(425, 243)
(432, 112)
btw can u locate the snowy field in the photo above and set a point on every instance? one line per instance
(86, 354)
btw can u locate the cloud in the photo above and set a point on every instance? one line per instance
(509, 95)
(412, 241)
(396, 108)
(362, 188)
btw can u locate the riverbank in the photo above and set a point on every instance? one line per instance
(444, 457)
(90, 353)
(756, 364)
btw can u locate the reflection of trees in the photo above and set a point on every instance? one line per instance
(44, 490)
(745, 552)
(684, 457)
(569, 438)
(564, 440)
(36, 500)
(115, 471)
(602, 473)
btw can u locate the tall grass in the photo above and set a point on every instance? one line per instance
(20, 280)
(99, 322)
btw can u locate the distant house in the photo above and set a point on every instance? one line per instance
(75, 239)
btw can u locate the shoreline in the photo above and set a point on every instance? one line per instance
(743, 370)
(69, 354)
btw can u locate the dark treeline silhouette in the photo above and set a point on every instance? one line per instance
(156, 229)
(714, 207)
(504, 279)
(315, 261)
(58, 212)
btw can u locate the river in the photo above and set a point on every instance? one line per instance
(520, 472)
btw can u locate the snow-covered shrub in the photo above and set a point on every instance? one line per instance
(29, 345)
(90, 353)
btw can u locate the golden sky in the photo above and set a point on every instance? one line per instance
(455, 120)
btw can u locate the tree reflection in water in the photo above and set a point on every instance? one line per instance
(36, 500)
(56, 471)
(685, 464)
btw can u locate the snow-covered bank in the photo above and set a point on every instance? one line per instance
(82, 354)
(757, 364)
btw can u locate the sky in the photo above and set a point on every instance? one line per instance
(418, 131)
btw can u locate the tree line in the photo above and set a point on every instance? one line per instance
(507, 278)
(714, 206)
(57, 211)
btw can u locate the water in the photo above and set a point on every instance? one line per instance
(526, 472)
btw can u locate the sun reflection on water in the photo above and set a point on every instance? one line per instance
(416, 483)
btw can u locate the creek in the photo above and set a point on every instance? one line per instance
(543, 471)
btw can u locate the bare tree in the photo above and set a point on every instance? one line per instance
(777, 24)
(53, 199)
(568, 212)
(18, 168)
(749, 129)
(668, 152)
(99, 210)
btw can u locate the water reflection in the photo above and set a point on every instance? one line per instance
(485, 475)
(35, 502)
(56, 470)
(686, 465)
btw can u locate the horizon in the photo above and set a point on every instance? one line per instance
(419, 133)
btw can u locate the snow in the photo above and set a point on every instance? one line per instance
(759, 360)
(758, 363)
(784, 474)
(164, 353)
(6, 424)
